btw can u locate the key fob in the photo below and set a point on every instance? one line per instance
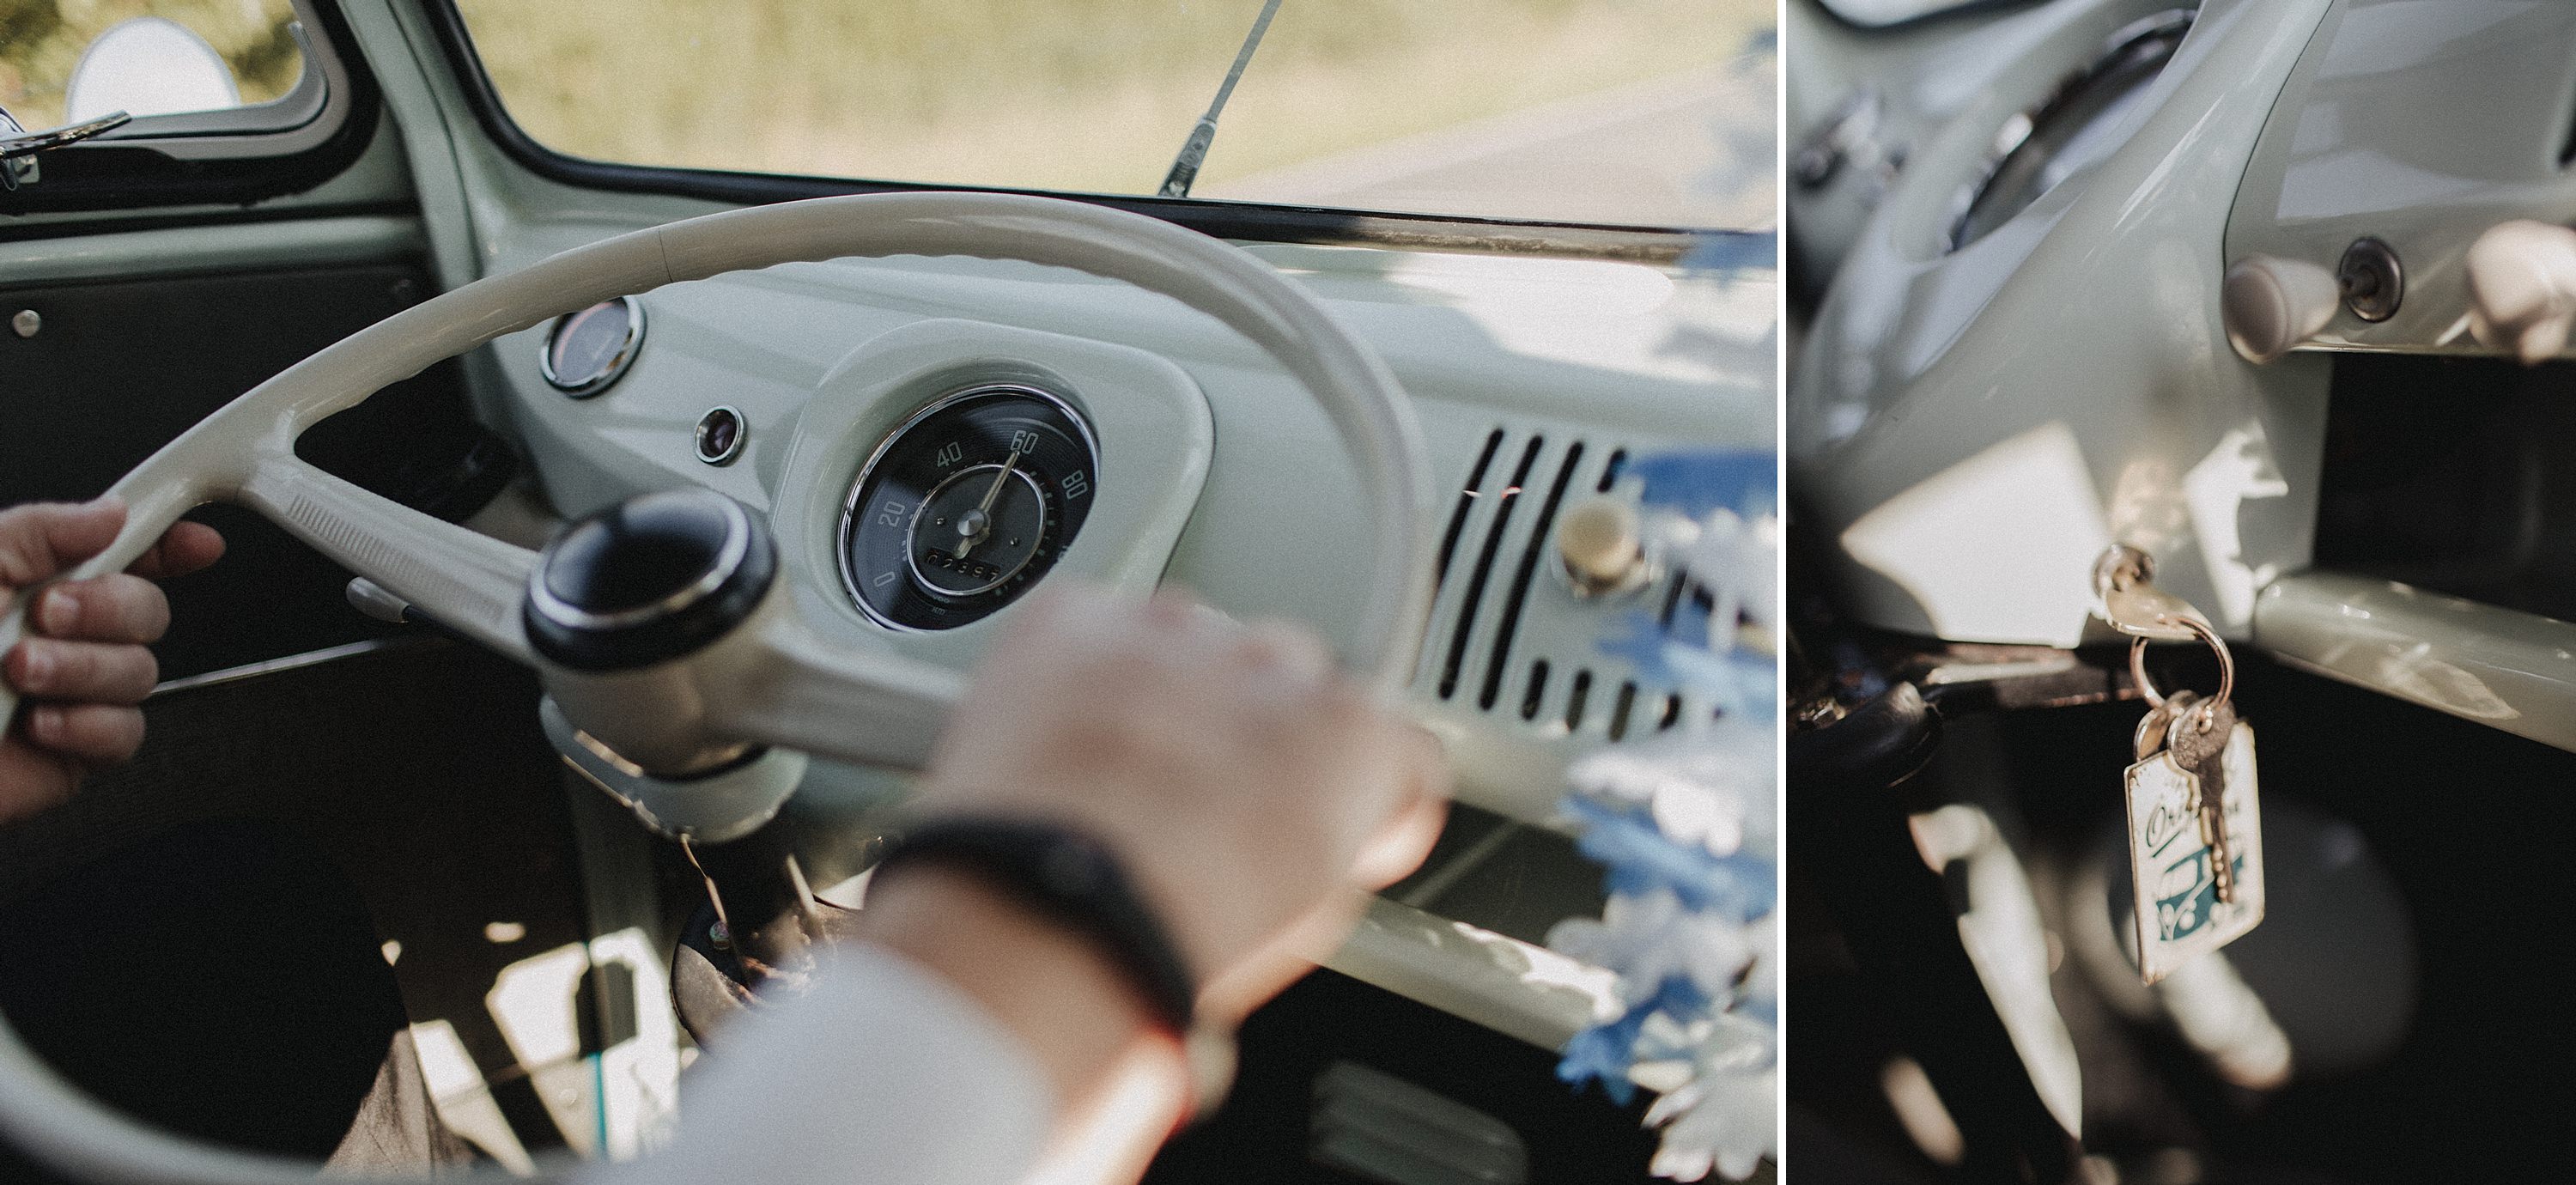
(2178, 911)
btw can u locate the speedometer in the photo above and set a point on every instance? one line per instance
(963, 507)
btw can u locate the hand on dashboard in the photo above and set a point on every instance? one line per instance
(83, 666)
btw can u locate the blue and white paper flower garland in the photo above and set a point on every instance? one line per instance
(1687, 826)
(1687, 823)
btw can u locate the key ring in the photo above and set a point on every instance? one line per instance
(2201, 630)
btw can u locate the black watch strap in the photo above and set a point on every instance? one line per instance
(1071, 879)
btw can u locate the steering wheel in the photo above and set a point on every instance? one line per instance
(658, 625)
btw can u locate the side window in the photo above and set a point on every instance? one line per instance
(67, 61)
(235, 101)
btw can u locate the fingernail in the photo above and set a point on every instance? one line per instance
(40, 667)
(59, 612)
(46, 723)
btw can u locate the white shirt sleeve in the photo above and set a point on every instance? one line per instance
(884, 1072)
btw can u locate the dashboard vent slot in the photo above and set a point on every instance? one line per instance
(1466, 502)
(1619, 711)
(1506, 500)
(1673, 596)
(1536, 693)
(1519, 595)
(1610, 472)
(1685, 600)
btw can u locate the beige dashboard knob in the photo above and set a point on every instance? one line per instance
(2522, 288)
(1600, 543)
(2271, 304)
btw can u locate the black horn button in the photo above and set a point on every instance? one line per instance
(650, 579)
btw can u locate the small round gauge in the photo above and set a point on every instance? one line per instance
(591, 349)
(966, 505)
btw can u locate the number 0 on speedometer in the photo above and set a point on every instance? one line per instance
(966, 505)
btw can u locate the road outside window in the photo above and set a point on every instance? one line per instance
(1630, 112)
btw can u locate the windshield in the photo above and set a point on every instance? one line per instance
(1630, 112)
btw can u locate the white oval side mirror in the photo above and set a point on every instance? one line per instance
(149, 66)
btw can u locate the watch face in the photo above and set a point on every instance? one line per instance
(966, 506)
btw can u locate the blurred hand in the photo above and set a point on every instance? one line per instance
(82, 667)
(1251, 790)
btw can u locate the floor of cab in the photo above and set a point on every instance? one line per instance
(416, 771)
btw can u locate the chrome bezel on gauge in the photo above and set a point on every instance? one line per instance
(706, 427)
(841, 535)
(616, 368)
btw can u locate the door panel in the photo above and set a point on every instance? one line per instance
(115, 369)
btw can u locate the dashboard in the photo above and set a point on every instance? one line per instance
(2230, 322)
(873, 410)
(1114, 435)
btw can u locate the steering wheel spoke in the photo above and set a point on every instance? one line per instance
(798, 690)
(466, 581)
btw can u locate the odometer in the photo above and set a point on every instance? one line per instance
(966, 505)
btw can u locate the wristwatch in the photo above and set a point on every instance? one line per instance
(1071, 879)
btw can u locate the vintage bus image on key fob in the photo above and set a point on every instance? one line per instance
(2178, 909)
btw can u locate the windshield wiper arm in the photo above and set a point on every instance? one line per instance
(18, 145)
(1185, 167)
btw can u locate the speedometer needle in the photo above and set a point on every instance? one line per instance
(974, 524)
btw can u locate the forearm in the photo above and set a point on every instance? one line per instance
(960, 1039)
(882, 1071)
(1078, 1015)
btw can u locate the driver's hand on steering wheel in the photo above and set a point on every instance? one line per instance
(83, 666)
(1252, 791)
